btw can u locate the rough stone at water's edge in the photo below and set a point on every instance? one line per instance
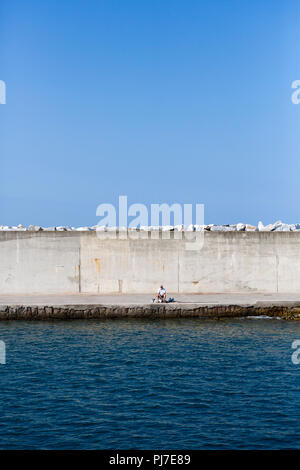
(286, 310)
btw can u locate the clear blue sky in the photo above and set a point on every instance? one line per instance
(163, 101)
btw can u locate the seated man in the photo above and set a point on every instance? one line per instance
(161, 294)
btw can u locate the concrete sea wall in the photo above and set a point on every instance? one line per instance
(285, 311)
(74, 262)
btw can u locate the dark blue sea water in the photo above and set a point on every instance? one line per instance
(165, 384)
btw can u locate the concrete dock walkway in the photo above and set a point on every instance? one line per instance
(84, 306)
(146, 299)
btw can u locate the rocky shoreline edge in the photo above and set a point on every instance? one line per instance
(278, 226)
(282, 310)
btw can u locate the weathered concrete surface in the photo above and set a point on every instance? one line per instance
(81, 262)
(215, 306)
(33, 263)
(288, 311)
